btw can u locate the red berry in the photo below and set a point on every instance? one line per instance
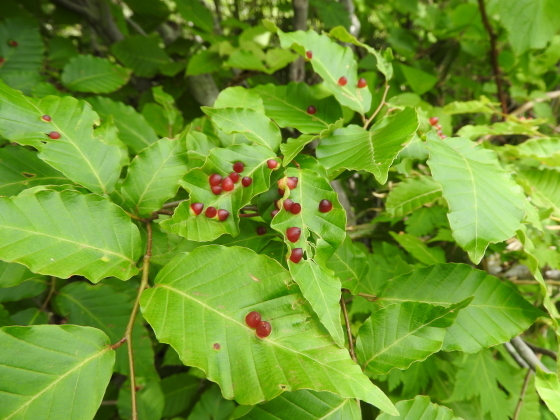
(222, 215)
(238, 167)
(46, 118)
(234, 176)
(274, 213)
(246, 181)
(272, 164)
(437, 126)
(12, 43)
(197, 208)
(433, 120)
(291, 182)
(261, 230)
(287, 204)
(215, 179)
(362, 83)
(227, 184)
(277, 204)
(296, 255)
(296, 208)
(55, 135)
(293, 234)
(211, 212)
(311, 110)
(281, 192)
(263, 329)
(325, 206)
(2, 60)
(253, 319)
(217, 189)
(309, 54)
(342, 81)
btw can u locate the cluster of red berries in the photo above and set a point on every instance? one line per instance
(289, 205)
(262, 328)
(219, 184)
(434, 123)
(211, 212)
(53, 135)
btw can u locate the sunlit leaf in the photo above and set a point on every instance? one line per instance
(420, 408)
(411, 194)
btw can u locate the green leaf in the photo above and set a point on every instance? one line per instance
(418, 249)
(179, 391)
(420, 408)
(105, 308)
(544, 185)
(197, 13)
(153, 176)
(470, 107)
(142, 54)
(400, 334)
(212, 406)
(12, 274)
(420, 81)
(239, 97)
(544, 149)
(485, 205)
(497, 313)
(79, 155)
(287, 106)
(54, 371)
(204, 62)
(134, 130)
(306, 405)
(67, 233)
(30, 316)
(31, 287)
(548, 388)
(172, 115)
(150, 401)
(217, 297)
(28, 55)
(20, 168)
(375, 150)
(86, 73)
(253, 125)
(331, 61)
(349, 264)
(201, 228)
(248, 236)
(412, 194)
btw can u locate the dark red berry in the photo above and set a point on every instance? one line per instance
(274, 213)
(287, 204)
(234, 176)
(272, 164)
(263, 329)
(222, 215)
(311, 110)
(261, 230)
(217, 189)
(211, 212)
(197, 208)
(238, 167)
(277, 204)
(296, 208)
(362, 83)
(215, 179)
(2, 61)
(253, 319)
(291, 182)
(342, 81)
(46, 118)
(227, 184)
(296, 255)
(281, 192)
(246, 181)
(309, 54)
(433, 120)
(325, 206)
(55, 135)
(12, 43)
(293, 234)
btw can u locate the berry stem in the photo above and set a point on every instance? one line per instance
(370, 119)
(348, 330)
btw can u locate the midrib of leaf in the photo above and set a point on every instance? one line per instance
(270, 342)
(471, 175)
(416, 197)
(247, 129)
(445, 304)
(60, 378)
(33, 179)
(262, 93)
(93, 76)
(345, 264)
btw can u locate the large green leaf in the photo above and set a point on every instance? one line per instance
(485, 205)
(150, 401)
(179, 391)
(411, 194)
(544, 149)
(153, 176)
(20, 169)
(418, 249)
(31, 286)
(239, 97)
(199, 303)
(306, 405)
(252, 124)
(331, 61)
(103, 307)
(67, 233)
(349, 264)
(212, 406)
(201, 228)
(86, 73)
(544, 186)
(12, 274)
(142, 54)
(134, 130)
(375, 150)
(548, 388)
(420, 408)
(53, 372)
(398, 335)
(79, 155)
(497, 313)
(287, 106)
(28, 55)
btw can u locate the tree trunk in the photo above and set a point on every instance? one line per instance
(297, 68)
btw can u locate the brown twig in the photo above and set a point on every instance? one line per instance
(52, 289)
(550, 282)
(249, 215)
(348, 330)
(494, 56)
(522, 395)
(371, 298)
(173, 203)
(370, 119)
(542, 350)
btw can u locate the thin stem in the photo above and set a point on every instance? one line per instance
(348, 330)
(372, 298)
(250, 215)
(173, 204)
(522, 395)
(527, 354)
(513, 353)
(542, 350)
(52, 289)
(370, 119)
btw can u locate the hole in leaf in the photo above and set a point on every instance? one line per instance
(28, 175)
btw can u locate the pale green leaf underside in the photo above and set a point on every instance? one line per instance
(420, 408)
(411, 194)
(67, 233)
(56, 372)
(485, 205)
(548, 388)
(199, 303)
(86, 73)
(497, 313)
(544, 185)
(349, 264)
